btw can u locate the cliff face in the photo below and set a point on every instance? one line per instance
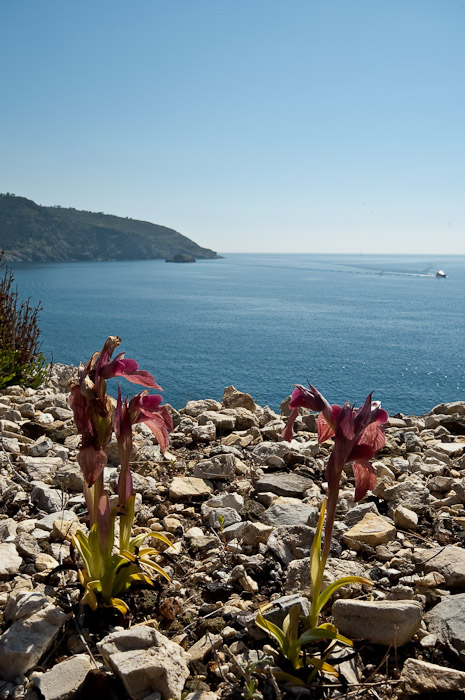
(32, 233)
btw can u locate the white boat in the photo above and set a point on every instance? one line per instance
(441, 273)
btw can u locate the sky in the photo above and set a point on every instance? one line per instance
(310, 126)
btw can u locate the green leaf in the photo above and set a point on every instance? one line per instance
(274, 630)
(326, 594)
(288, 677)
(315, 553)
(318, 633)
(138, 540)
(157, 567)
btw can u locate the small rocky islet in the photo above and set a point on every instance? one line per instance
(240, 506)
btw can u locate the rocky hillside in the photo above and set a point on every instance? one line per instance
(240, 506)
(32, 233)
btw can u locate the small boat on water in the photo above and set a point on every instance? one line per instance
(441, 273)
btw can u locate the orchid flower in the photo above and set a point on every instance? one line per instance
(358, 435)
(104, 572)
(92, 407)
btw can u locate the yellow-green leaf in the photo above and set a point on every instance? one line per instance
(326, 594)
(119, 605)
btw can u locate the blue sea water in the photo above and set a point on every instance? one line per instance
(350, 324)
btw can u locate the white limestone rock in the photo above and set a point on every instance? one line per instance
(195, 408)
(388, 622)
(36, 623)
(448, 561)
(10, 561)
(64, 680)
(146, 661)
(420, 677)
(222, 467)
(405, 518)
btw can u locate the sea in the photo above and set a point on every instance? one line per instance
(348, 324)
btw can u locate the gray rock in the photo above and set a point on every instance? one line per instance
(30, 635)
(221, 467)
(221, 517)
(450, 449)
(448, 561)
(289, 514)
(411, 493)
(387, 623)
(273, 429)
(225, 500)
(413, 443)
(8, 529)
(47, 499)
(289, 543)
(60, 413)
(278, 611)
(243, 418)
(69, 477)
(266, 451)
(27, 410)
(420, 677)
(358, 512)
(27, 546)
(195, 408)
(405, 518)
(447, 621)
(450, 408)
(221, 420)
(12, 415)
(204, 433)
(10, 444)
(64, 680)
(46, 523)
(40, 468)
(40, 447)
(146, 661)
(283, 484)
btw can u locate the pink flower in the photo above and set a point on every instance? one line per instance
(93, 411)
(358, 435)
(145, 408)
(305, 398)
(142, 408)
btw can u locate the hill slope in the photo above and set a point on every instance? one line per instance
(32, 233)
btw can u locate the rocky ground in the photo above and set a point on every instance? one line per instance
(240, 506)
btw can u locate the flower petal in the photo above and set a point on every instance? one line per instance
(345, 422)
(325, 431)
(157, 425)
(307, 398)
(129, 369)
(287, 433)
(374, 436)
(92, 462)
(365, 479)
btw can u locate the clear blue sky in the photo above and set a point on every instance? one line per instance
(247, 125)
